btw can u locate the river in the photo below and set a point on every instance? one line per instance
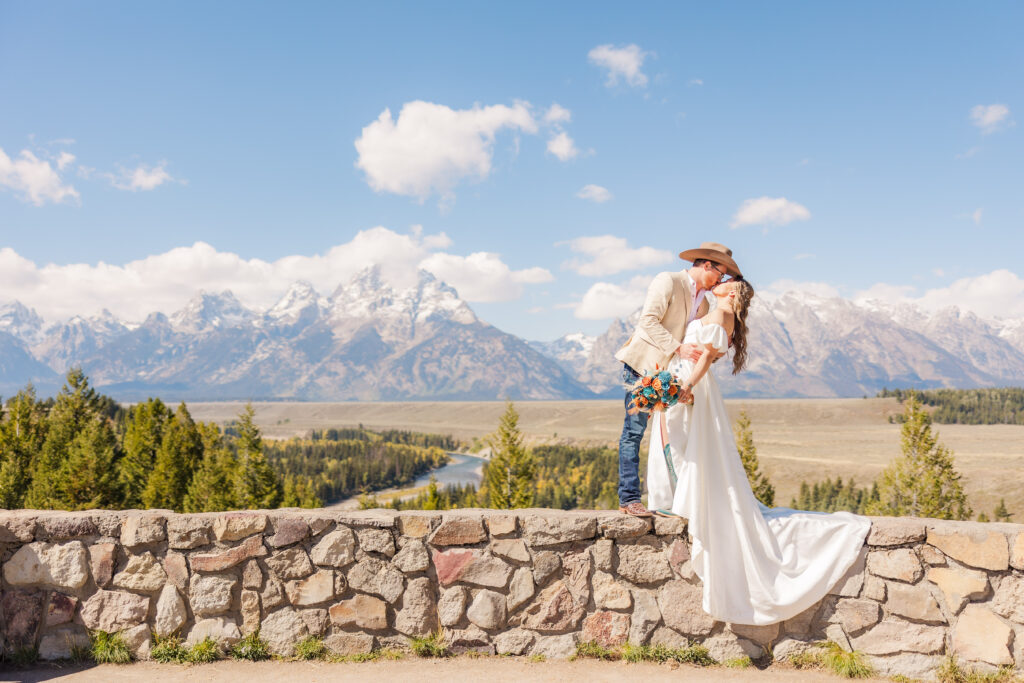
(461, 469)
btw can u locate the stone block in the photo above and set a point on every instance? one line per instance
(362, 611)
(288, 530)
(417, 525)
(234, 526)
(311, 590)
(609, 593)
(761, 635)
(645, 616)
(249, 603)
(836, 634)
(910, 665)
(576, 573)
(413, 557)
(452, 605)
(678, 554)
(669, 526)
(176, 569)
(318, 525)
(272, 595)
(981, 636)
(501, 525)
(725, 646)
(552, 528)
(666, 637)
(61, 643)
(521, 589)
(800, 626)
(210, 594)
(56, 565)
(67, 525)
(170, 612)
(1017, 552)
(252, 575)
(317, 620)
(554, 609)
(874, 589)
(376, 541)
(556, 647)
(138, 638)
(374, 576)
(15, 528)
(787, 648)
(914, 602)
(642, 564)
(470, 639)
(849, 585)
(290, 564)
(1008, 600)
(857, 614)
(889, 531)
(23, 613)
(61, 608)
(487, 610)
(514, 642)
(418, 614)
(602, 551)
(623, 526)
(977, 549)
(349, 643)
(221, 630)
(336, 549)
(101, 561)
(607, 629)
(458, 531)
(185, 532)
(546, 564)
(114, 610)
(470, 566)
(142, 573)
(890, 637)
(680, 606)
(282, 630)
(143, 529)
(901, 564)
(959, 585)
(511, 548)
(931, 555)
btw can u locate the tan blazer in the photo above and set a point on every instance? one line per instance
(662, 323)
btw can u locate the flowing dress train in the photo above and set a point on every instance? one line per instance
(759, 565)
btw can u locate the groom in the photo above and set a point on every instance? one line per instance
(673, 300)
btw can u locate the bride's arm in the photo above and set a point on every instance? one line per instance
(700, 368)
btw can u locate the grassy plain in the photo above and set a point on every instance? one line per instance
(796, 439)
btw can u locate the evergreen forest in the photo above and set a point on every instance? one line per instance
(967, 406)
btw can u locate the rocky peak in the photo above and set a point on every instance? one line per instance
(206, 311)
(301, 303)
(21, 322)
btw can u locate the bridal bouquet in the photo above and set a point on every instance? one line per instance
(655, 392)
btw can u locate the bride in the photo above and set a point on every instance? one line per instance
(759, 565)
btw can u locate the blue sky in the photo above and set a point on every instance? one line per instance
(866, 149)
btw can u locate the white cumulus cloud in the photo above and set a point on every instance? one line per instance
(34, 180)
(621, 62)
(430, 148)
(556, 113)
(165, 282)
(142, 177)
(990, 118)
(607, 254)
(608, 300)
(562, 146)
(594, 193)
(769, 211)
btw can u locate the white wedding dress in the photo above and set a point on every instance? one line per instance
(759, 565)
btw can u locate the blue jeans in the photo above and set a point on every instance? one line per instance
(633, 428)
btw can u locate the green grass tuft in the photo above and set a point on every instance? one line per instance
(251, 648)
(951, 672)
(695, 654)
(168, 650)
(205, 651)
(310, 647)
(591, 650)
(23, 656)
(738, 663)
(433, 645)
(536, 659)
(832, 657)
(109, 648)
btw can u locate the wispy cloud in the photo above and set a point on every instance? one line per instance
(594, 193)
(976, 216)
(621, 62)
(562, 146)
(141, 178)
(769, 211)
(991, 117)
(608, 254)
(556, 113)
(695, 81)
(34, 180)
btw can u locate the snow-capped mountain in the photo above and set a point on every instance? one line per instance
(571, 349)
(805, 345)
(366, 341)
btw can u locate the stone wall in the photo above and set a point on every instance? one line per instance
(521, 582)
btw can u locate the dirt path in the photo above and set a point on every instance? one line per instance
(490, 669)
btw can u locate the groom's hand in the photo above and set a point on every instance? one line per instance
(689, 352)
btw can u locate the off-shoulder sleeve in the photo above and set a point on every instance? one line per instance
(715, 335)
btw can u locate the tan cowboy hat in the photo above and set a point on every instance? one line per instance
(716, 253)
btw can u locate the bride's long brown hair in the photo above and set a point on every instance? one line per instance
(740, 307)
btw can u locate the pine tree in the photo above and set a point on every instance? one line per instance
(212, 488)
(433, 499)
(1001, 513)
(982, 517)
(22, 432)
(179, 454)
(923, 481)
(511, 472)
(298, 493)
(762, 488)
(143, 433)
(257, 485)
(76, 404)
(88, 479)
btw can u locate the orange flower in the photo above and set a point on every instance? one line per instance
(657, 385)
(673, 390)
(646, 381)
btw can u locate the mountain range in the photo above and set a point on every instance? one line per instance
(371, 341)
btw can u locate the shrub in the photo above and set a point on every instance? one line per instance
(205, 651)
(310, 647)
(831, 656)
(252, 648)
(433, 645)
(109, 648)
(592, 650)
(168, 650)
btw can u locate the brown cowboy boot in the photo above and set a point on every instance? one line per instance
(636, 509)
